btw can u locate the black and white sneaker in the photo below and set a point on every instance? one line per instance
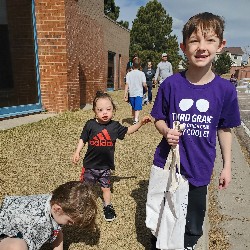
(109, 213)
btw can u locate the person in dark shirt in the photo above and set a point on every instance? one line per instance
(101, 133)
(149, 73)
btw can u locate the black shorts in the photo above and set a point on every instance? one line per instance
(101, 176)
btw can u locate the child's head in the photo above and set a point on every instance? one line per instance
(202, 39)
(74, 203)
(136, 63)
(103, 106)
(205, 22)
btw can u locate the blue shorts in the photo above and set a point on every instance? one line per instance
(93, 176)
(136, 102)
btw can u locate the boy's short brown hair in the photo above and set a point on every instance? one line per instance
(205, 22)
(78, 201)
(136, 63)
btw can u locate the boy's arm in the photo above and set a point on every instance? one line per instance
(126, 92)
(171, 69)
(136, 126)
(76, 155)
(157, 73)
(57, 244)
(171, 135)
(225, 141)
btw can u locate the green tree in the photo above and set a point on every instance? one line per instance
(150, 35)
(124, 23)
(223, 64)
(113, 12)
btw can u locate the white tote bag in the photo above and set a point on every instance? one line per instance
(166, 205)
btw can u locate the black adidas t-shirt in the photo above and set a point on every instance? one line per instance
(101, 140)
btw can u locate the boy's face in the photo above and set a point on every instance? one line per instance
(59, 216)
(201, 48)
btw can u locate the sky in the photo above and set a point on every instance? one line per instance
(235, 12)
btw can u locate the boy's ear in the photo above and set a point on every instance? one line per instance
(183, 47)
(222, 45)
(56, 208)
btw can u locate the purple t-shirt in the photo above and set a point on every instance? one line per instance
(203, 109)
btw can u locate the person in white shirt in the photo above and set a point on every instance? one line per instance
(164, 69)
(135, 81)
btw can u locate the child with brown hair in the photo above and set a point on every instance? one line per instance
(28, 222)
(101, 134)
(208, 107)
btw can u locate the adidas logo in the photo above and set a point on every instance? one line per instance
(102, 139)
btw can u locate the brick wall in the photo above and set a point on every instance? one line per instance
(52, 51)
(116, 39)
(74, 38)
(90, 35)
(241, 72)
(85, 55)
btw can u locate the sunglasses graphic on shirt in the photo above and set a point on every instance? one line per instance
(202, 105)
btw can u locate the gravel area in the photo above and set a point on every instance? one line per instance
(35, 158)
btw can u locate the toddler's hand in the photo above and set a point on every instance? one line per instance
(146, 119)
(76, 158)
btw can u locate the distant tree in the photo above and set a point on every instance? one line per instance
(125, 24)
(150, 35)
(223, 64)
(113, 12)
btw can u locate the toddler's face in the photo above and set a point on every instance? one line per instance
(103, 110)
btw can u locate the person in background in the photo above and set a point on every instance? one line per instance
(207, 104)
(28, 222)
(234, 80)
(135, 81)
(101, 134)
(164, 69)
(130, 63)
(149, 73)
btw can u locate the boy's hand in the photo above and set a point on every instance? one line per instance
(146, 119)
(225, 178)
(76, 158)
(172, 136)
(125, 98)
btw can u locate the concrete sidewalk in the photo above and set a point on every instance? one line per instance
(234, 202)
(14, 122)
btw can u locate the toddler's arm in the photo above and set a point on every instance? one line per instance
(172, 135)
(57, 244)
(136, 126)
(76, 155)
(225, 141)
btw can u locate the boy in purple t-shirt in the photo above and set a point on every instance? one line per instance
(207, 104)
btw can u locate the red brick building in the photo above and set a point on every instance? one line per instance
(54, 55)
